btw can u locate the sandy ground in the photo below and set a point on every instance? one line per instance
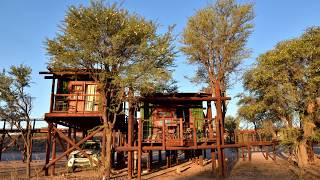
(257, 168)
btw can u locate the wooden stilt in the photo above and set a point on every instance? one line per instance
(274, 151)
(176, 157)
(74, 135)
(130, 139)
(149, 161)
(31, 143)
(168, 158)
(267, 152)
(48, 145)
(103, 150)
(2, 138)
(249, 152)
(69, 136)
(225, 167)
(53, 152)
(242, 152)
(213, 157)
(160, 156)
(139, 148)
(201, 160)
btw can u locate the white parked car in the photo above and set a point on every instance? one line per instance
(76, 159)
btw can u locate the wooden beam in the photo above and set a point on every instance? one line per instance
(185, 98)
(48, 145)
(73, 147)
(73, 144)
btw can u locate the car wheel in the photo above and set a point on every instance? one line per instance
(71, 169)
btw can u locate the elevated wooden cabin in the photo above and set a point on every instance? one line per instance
(177, 119)
(75, 101)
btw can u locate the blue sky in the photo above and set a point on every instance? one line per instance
(25, 25)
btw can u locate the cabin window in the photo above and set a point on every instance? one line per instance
(91, 98)
(78, 90)
(163, 114)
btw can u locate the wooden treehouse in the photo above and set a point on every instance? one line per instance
(75, 103)
(176, 120)
(163, 123)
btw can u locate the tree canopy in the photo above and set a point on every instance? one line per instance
(16, 104)
(286, 80)
(215, 39)
(284, 86)
(122, 51)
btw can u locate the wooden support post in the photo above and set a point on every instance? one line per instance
(48, 145)
(160, 156)
(103, 151)
(267, 152)
(74, 135)
(210, 121)
(249, 151)
(176, 156)
(274, 151)
(164, 134)
(225, 166)
(242, 152)
(149, 161)
(130, 139)
(31, 144)
(219, 150)
(84, 134)
(69, 136)
(194, 133)
(186, 155)
(52, 96)
(53, 152)
(2, 138)
(221, 162)
(213, 158)
(168, 158)
(237, 153)
(139, 148)
(219, 126)
(201, 160)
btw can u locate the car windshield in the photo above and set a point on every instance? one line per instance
(91, 145)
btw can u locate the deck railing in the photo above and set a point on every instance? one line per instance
(76, 103)
(177, 132)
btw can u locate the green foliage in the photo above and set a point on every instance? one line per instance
(284, 86)
(286, 79)
(15, 102)
(120, 50)
(231, 124)
(289, 137)
(215, 39)
(251, 110)
(16, 105)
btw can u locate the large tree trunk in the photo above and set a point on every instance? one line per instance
(28, 161)
(302, 154)
(107, 163)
